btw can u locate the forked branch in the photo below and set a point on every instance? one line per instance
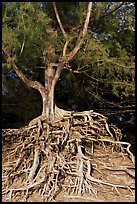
(81, 35)
(68, 57)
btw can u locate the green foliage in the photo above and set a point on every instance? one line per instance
(108, 53)
(25, 29)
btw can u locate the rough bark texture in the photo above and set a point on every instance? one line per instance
(50, 73)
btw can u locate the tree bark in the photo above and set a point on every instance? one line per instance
(49, 106)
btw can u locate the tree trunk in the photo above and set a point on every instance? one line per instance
(50, 111)
(48, 104)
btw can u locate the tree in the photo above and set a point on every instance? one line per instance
(50, 154)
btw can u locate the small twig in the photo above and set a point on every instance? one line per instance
(22, 47)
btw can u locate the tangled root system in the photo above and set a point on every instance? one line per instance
(74, 154)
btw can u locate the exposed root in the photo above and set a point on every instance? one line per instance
(63, 156)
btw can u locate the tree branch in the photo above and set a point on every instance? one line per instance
(62, 29)
(67, 58)
(28, 82)
(57, 74)
(114, 9)
(81, 35)
(66, 45)
(65, 48)
(59, 21)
